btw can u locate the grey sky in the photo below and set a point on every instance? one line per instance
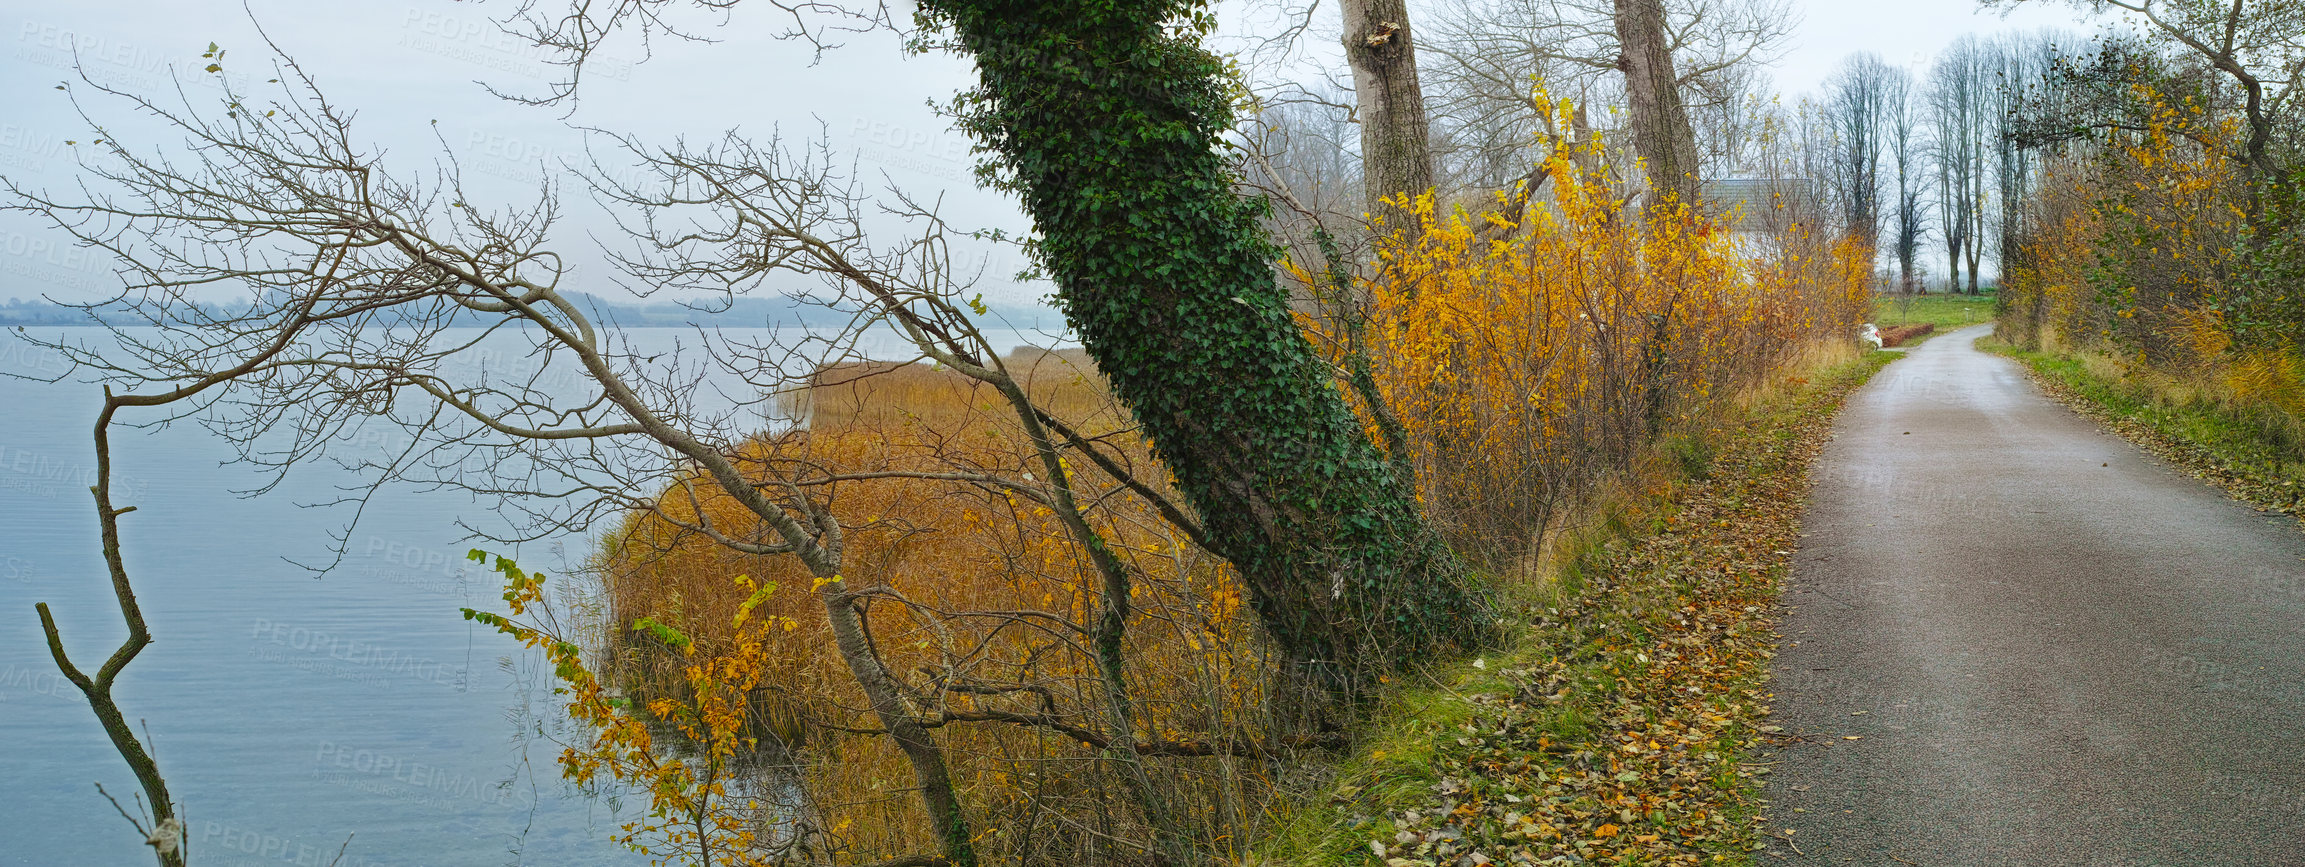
(404, 65)
(1904, 33)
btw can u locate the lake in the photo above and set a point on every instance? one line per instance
(289, 713)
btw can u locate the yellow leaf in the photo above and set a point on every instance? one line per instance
(1605, 831)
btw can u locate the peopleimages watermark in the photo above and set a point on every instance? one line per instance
(479, 41)
(418, 557)
(374, 772)
(36, 681)
(219, 842)
(524, 368)
(2267, 586)
(2249, 793)
(939, 154)
(529, 160)
(46, 251)
(347, 659)
(425, 568)
(2218, 674)
(26, 358)
(33, 149)
(33, 472)
(22, 147)
(52, 262)
(117, 63)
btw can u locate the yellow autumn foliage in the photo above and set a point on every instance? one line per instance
(2131, 261)
(1530, 360)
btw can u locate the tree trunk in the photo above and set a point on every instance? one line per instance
(1108, 122)
(896, 715)
(1172, 846)
(1661, 131)
(1396, 144)
(1977, 214)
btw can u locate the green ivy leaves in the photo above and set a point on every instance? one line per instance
(1108, 119)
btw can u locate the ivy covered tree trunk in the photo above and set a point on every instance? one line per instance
(1106, 119)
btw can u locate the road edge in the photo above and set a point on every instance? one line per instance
(1622, 719)
(2129, 411)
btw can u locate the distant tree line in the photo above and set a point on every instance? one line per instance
(1916, 159)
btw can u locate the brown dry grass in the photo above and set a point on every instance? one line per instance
(956, 550)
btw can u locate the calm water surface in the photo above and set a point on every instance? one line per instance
(290, 713)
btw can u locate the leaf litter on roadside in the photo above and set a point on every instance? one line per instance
(1633, 704)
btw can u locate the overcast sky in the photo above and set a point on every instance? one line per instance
(406, 65)
(1905, 33)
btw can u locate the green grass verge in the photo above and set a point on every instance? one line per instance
(1659, 623)
(2253, 454)
(1947, 312)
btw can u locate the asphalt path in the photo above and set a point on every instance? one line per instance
(2013, 638)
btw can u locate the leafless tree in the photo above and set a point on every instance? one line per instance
(1492, 56)
(165, 831)
(1859, 102)
(1792, 154)
(2020, 63)
(1730, 113)
(1299, 155)
(1960, 98)
(1906, 151)
(355, 274)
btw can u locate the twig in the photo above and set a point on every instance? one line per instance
(1788, 838)
(132, 820)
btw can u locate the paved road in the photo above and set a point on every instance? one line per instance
(2053, 648)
